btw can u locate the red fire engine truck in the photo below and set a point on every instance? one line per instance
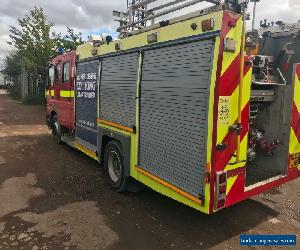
(60, 115)
(175, 106)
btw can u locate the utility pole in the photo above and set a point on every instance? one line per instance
(254, 12)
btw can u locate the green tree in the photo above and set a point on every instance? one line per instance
(36, 43)
(70, 41)
(33, 42)
(12, 64)
(11, 68)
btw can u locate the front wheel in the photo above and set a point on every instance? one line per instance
(56, 129)
(113, 164)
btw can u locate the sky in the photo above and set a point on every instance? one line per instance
(95, 16)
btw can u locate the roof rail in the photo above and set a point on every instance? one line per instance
(138, 13)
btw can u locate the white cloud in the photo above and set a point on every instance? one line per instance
(84, 16)
(277, 10)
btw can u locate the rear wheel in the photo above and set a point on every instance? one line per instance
(56, 129)
(113, 163)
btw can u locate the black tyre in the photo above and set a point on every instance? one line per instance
(114, 167)
(135, 186)
(56, 129)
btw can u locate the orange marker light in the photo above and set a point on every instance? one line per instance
(208, 24)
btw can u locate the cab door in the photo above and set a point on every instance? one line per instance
(65, 93)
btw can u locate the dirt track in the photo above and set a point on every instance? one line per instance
(53, 197)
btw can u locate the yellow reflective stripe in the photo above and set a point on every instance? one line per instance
(85, 150)
(49, 93)
(67, 93)
(108, 123)
(168, 185)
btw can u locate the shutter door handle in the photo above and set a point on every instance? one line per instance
(237, 128)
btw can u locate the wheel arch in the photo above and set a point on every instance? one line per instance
(107, 135)
(53, 112)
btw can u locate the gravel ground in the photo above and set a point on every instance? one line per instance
(54, 197)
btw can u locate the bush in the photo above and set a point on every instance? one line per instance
(14, 91)
(34, 100)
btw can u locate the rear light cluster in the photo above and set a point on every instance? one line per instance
(221, 185)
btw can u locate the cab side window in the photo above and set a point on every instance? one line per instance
(66, 72)
(57, 73)
(51, 76)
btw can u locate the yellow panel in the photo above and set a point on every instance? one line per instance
(211, 101)
(173, 194)
(294, 143)
(297, 91)
(224, 110)
(168, 33)
(52, 92)
(84, 50)
(170, 186)
(230, 182)
(223, 128)
(234, 106)
(244, 148)
(246, 88)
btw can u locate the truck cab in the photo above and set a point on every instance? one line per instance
(60, 94)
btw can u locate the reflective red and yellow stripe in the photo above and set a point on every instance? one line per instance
(227, 113)
(236, 173)
(294, 149)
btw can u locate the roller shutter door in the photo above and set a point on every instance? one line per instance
(118, 89)
(86, 103)
(173, 114)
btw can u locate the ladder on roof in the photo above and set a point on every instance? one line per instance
(138, 12)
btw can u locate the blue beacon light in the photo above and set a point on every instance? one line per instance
(61, 50)
(108, 39)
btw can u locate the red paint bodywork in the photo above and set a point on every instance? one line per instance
(62, 106)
